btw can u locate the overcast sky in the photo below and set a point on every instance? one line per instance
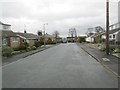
(59, 14)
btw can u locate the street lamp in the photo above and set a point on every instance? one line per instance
(107, 27)
(44, 33)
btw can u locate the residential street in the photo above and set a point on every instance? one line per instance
(61, 66)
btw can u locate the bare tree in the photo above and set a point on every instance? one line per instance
(39, 33)
(56, 35)
(72, 32)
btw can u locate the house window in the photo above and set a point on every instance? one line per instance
(23, 41)
(110, 36)
(27, 41)
(6, 27)
(113, 36)
(4, 41)
(15, 39)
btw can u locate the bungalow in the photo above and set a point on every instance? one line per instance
(27, 37)
(52, 37)
(9, 38)
(47, 36)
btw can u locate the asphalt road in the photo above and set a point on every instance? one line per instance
(62, 66)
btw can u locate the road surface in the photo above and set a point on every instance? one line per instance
(62, 66)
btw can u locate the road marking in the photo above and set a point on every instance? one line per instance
(106, 59)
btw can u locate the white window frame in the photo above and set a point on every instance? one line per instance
(4, 41)
(14, 39)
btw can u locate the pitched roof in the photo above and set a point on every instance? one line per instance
(8, 33)
(27, 35)
(117, 32)
(4, 24)
(113, 31)
(49, 36)
(110, 32)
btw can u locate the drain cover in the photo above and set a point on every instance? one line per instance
(106, 59)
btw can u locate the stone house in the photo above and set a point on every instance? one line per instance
(9, 38)
(27, 37)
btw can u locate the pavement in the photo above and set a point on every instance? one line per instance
(8, 60)
(116, 54)
(95, 46)
(61, 66)
(110, 62)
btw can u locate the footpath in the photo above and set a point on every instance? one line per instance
(110, 62)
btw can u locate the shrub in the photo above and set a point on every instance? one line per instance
(23, 46)
(7, 51)
(16, 49)
(26, 44)
(82, 39)
(116, 50)
(15, 52)
(53, 42)
(102, 47)
(42, 41)
(33, 48)
(37, 44)
(23, 51)
(112, 47)
(49, 41)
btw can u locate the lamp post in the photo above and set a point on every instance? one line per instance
(107, 27)
(44, 34)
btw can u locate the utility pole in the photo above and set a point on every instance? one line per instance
(107, 27)
(44, 34)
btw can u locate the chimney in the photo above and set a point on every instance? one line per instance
(25, 31)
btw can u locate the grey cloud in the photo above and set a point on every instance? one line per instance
(15, 10)
(60, 14)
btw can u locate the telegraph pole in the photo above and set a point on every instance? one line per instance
(44, 34)
(107, 27)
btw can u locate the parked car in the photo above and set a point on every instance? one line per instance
(64, 40)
